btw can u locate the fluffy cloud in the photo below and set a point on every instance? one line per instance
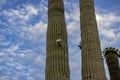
(40, 60)
(24, 13)
(21, 63)
(35, 32)
(72, 17)
(107, 20)
(2, 2)
(18, 22)
(108, 33)
(3, 41)
(107, 28)
(4, 78)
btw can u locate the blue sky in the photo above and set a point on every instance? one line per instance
(23, 25)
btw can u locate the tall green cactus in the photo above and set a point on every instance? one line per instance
(92, 65)
(57, 65)
(111, 55)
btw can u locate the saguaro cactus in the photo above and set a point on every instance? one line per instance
(57, 65)
(92, 65)
(111, 55)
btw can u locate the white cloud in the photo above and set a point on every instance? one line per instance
(19, 61)
(108, 33)
(30, 78)
(24, 13)
(36, 74)
(108, 29)
(3, 68)
(105, 23)
(3, 41)
(72, 16)
(18, 22)
(10, 64)
(35, 32)
(22, 55)
(21, 76)
(4, 77)
(106, 20)
(31, 10)
(1, 53)
(20, 67)
(72, 12)
(24, 60)
(40, 60)
(3, 23)
(2, 2)
(11, 50)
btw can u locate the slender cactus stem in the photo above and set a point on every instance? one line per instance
(57, 65)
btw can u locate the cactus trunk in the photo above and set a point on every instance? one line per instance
(57, 65)
(92, 65)
(113, 65)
